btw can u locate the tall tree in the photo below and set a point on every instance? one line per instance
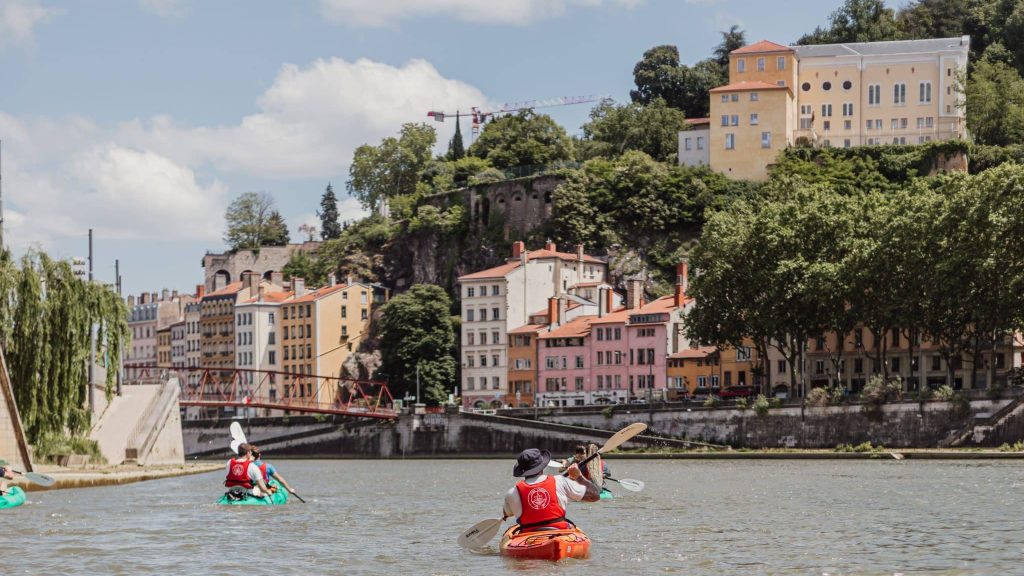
(330, 228)
(857, 21)
(416, 335)
(653, 129)
(392, 168)
(522, 139)
(456, 150)
(732, 39)
(252, 222)
(995, 97)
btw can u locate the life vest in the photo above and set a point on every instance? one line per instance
(263, 470)
(238, 474)
(540, 504)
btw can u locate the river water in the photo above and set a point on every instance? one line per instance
(402, 517)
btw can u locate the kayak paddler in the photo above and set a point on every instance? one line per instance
(244, 476)
(578, 455)
(267, 469)
(538, 501)
(5, 475)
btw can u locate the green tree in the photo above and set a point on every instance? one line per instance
(522, 139)
(302, 265)
(416, 334)
(660, 75)
(653, 129)
(995, 98)
(253, 222)
(330, 228)
(393, 168)
(456, 150)
(732, 39)
(857, 21)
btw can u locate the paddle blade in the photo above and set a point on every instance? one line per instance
(556, 464)
(297, 496)
(37, 478)
(480, 534)
(622, 436)
(234, 445)
(237, 433)
(629, 484)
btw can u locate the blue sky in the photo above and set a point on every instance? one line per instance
(142, 119)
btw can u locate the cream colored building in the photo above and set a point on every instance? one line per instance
(867, 93)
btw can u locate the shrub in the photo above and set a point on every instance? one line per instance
(608, 411)
(762, 404)
(995, 391)
(741, 403)
(774, 402)
(961, 405)
(1015, 447)
(49, 446)
(945, 393)
(818, 398)
(712, 402)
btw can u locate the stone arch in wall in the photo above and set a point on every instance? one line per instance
(221, 278)
(485, 211)
(268, 275)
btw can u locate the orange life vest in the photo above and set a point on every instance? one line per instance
(238, 474)
(540, 504)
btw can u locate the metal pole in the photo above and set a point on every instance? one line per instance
(120, 356)
(1, 197)
(92, 340)
(417, 383)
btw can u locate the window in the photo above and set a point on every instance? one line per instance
(725, 97)
(847, 84)
(780, 63)
(470, 292)
(781, 83)
(874, 95)
(858, 365)
(781, 366)
(483, 314)
(924, 95)
(754, 97)
(806, 86)
(363, 314)
(495, 337)
(826, 86)
(551, 362)
(494, 314)
(819, 366)
(766, 139)
(344, 312)
(895, 364)
(496, 290)
(899, 93)
(495, 383)
(743, 354)
(805, 123)
(929, 122)
(725, 119)
(734, 119)
(495, 360)
(846, 141)
(903, 123)
(760, 64)
(734, 97)
(470, 383)
(920, 123)
(805, 109)
(753, 118)
(470, 339)
(579, 383)
(895, 123)
(730, 141)
(700, 142)
(687, 143)
(483, 360)
(826, 110)
(848, 109)
(741, 65)
(826, 125)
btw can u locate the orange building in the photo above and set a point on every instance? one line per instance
(522, 361)
(690, 372)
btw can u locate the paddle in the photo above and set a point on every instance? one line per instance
(34, 477)
(297, 496)
(237, 435)
(484, 531)
(628, 483)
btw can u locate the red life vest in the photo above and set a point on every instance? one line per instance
(540, 504)
(238, 474)
(263, 470)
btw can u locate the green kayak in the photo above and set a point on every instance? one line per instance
(606, 494)
(13, 497)
(278, 498)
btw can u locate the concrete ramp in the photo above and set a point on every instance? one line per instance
(142, 426)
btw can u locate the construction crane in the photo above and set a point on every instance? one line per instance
(479, 116)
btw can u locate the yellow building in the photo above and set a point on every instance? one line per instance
(319, 329)
(865, 93)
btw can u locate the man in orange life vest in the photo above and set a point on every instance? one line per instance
(243, 473)
(538, 501)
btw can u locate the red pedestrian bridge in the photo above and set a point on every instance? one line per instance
(271, 392)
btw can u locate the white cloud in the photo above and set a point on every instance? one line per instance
(360, 13)
(311, 119)
(164, 8)
(19, 18)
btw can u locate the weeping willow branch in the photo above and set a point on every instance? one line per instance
(46, 316)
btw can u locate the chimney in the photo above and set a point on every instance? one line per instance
(518, 247)
(152, 298)
(682, 282)
(549, 245)
(131, 300)
(259, 293)
(634, 294)
(602, 302)
(174, 294)
(298, 286)
(200, 291)
(579, 252)
(562, 305)
(165, 294)
(277, 279)
(251, 281)
(144, 298)
(553, 319)
(332, 279)
(348, 280)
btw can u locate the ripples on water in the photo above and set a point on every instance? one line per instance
(402, 517)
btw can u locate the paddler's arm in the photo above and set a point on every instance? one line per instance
(593, 492)
(277, 476)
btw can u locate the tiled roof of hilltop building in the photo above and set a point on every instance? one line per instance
(528, 329)
(319, 293)
(892, 47)
(233, 288)
(702, 352)
(762, 46)
(755, 85)
(270, 298)
(501, 271)
(575, 328)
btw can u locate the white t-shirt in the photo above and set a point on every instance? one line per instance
(567, 490)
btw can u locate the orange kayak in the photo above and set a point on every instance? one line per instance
(545, 544)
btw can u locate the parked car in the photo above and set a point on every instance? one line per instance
(738, 392)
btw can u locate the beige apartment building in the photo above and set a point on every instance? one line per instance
(842, 95)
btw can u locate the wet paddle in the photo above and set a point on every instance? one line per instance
(34, 477)
(297, 496)
(628, 483)
(484, 531)
(237, 436)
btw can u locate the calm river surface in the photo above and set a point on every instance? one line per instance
(402, 517)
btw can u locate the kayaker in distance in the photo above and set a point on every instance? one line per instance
(5, 475)
(538, 501)
(268, 470)
(579, 454)
(244, 476)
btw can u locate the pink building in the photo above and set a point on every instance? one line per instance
(563, 356)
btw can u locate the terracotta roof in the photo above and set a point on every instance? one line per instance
(619, 315)
(271, 298)
(529, 329)
(696, 353)
(575, 328)
(754, 85)
(698, 120)
(663, 304)
(233, 288)
(318, 293)
(502, 270)
(762, 46)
